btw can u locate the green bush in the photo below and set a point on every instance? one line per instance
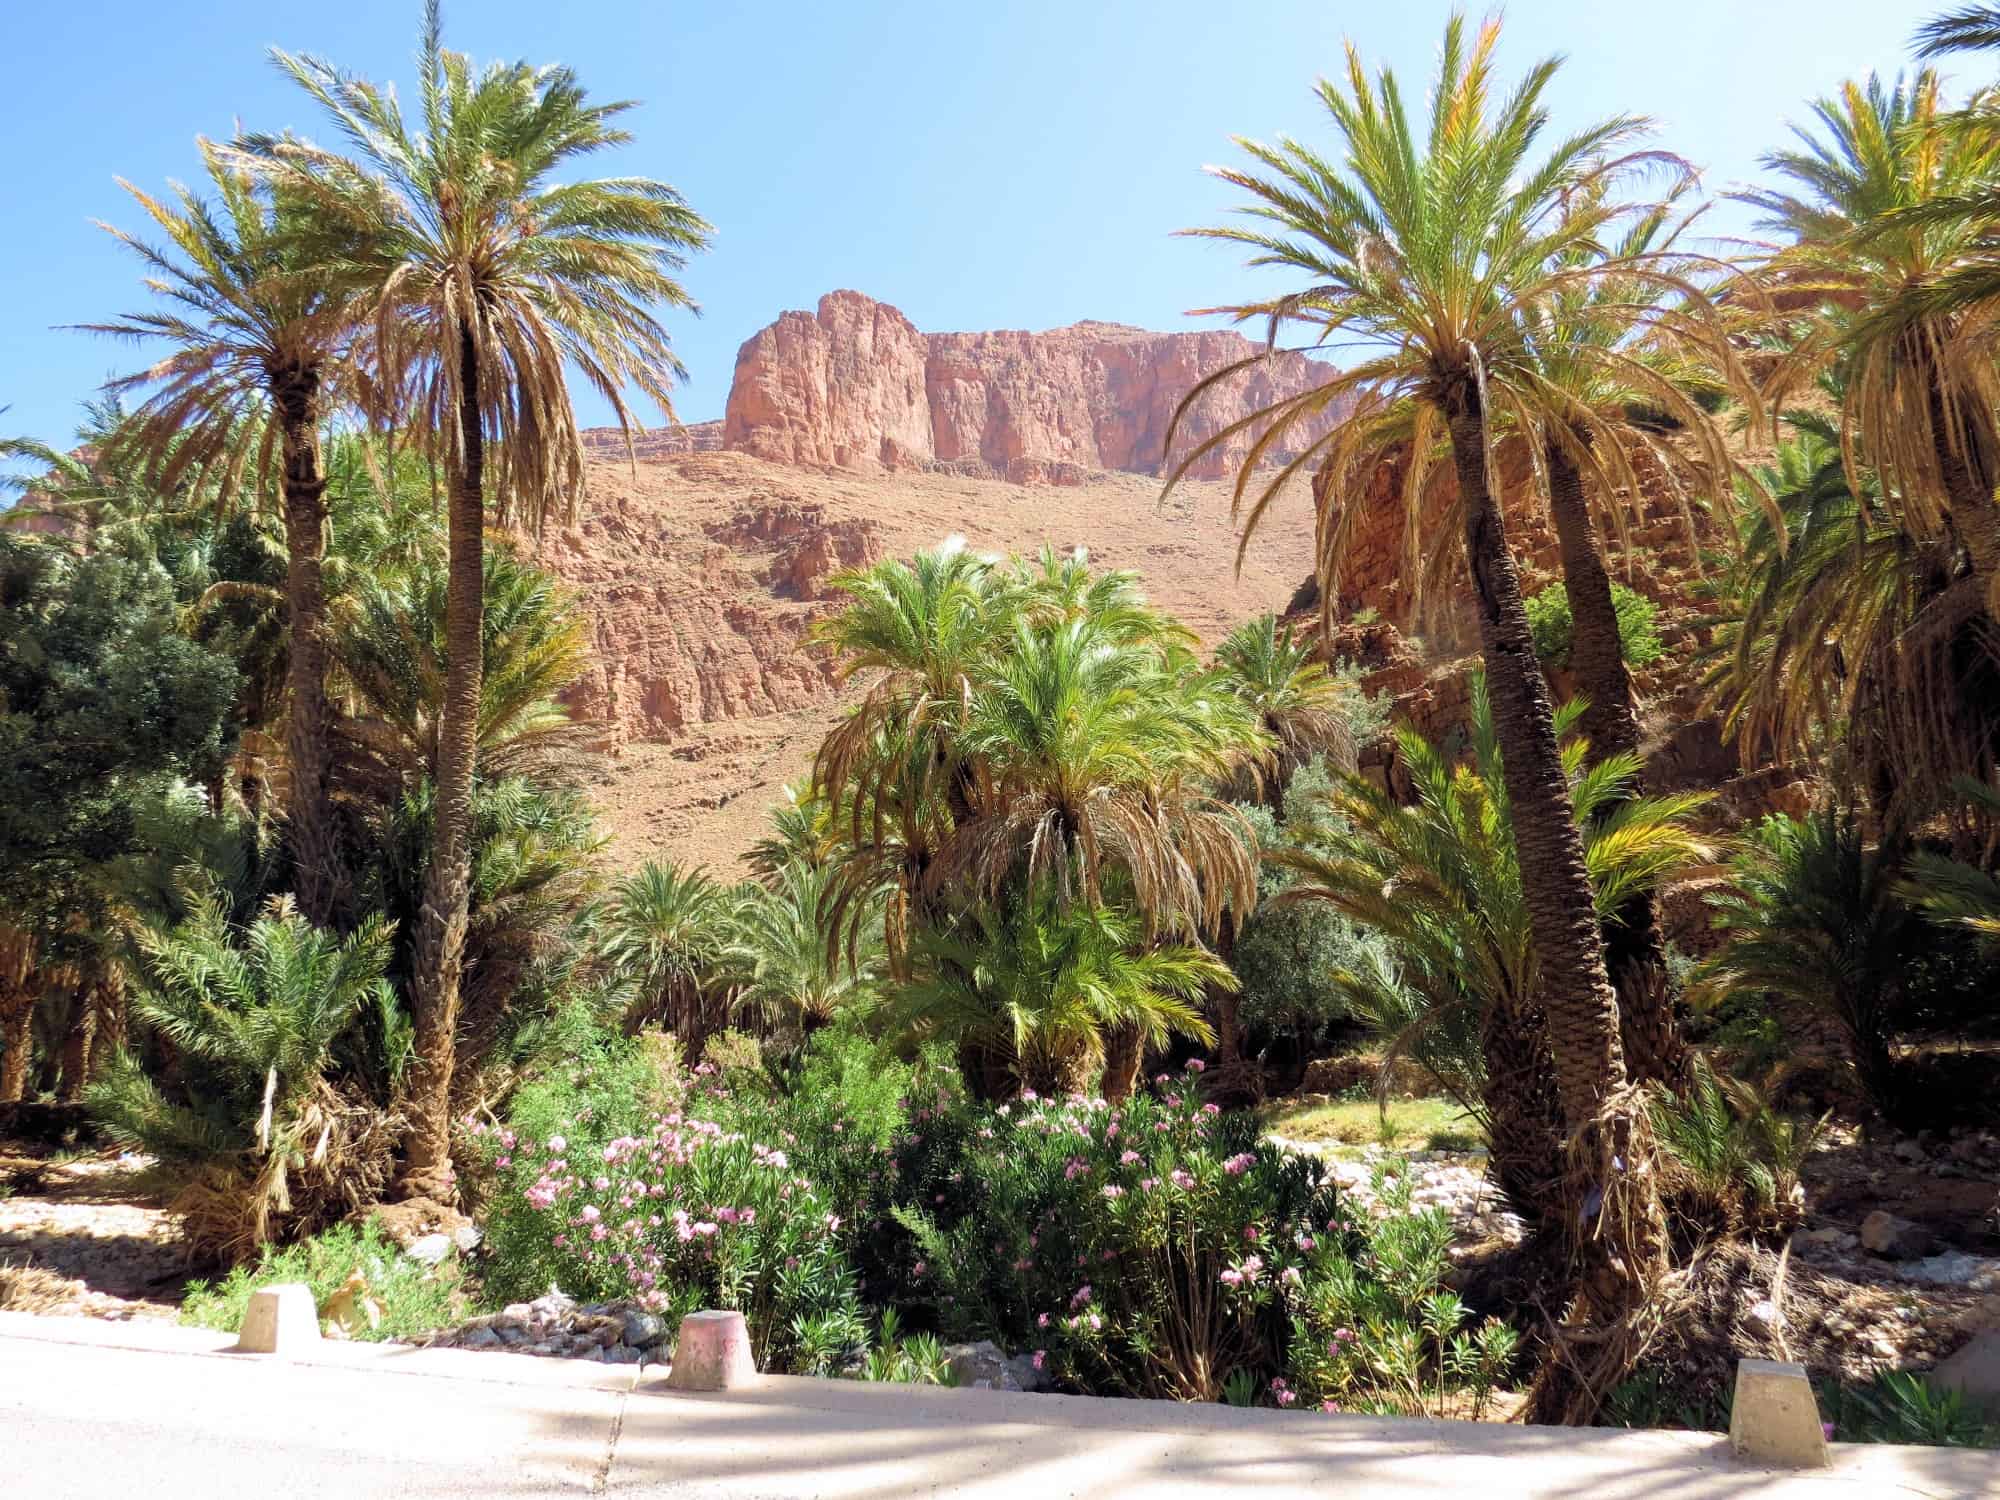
(414, 1298)
(1161, 1249)
(1901, 1407)
(1550, 622)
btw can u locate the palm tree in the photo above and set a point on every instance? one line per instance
(785, 954)
(1834, 626)
(1441, 879)
(258, 327)
(1429, 257)
(1033, 986)
(671, 929)
(488, 277)
(1884, 214)
(1293, 696)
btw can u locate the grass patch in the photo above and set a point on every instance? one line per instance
(1408, 1125)
(414, 1298)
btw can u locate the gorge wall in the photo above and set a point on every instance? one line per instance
(856, 386)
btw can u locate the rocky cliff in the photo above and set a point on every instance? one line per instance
(856, 386)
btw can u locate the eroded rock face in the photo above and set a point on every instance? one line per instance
(856, 386)
(843, 388)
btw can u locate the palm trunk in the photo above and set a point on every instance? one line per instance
(107, 1035)
(317, 867)
(1616, 1237)
(1972, 515)
(1237, 1081)
(1576, 992)
(77, 1042)
(1124, 1050)
(17, 1013)
(1634, 951)
(440, 943)
(1523, 1112)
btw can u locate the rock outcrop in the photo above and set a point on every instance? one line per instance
(856, 386)
(654, 442)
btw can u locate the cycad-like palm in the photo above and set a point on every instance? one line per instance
(252, 1128)
(670, 929)
(1879, 226)
(258, 324)
(489, 275)
(1441, 877)
(394, 654)
(1292, 695)
(1425, 253)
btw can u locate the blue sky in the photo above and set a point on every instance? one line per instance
(1019, 164)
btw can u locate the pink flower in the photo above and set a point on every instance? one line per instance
(919, 1268)
(1250, 1233)
(1126, 1159)
(1211, 1109)
(1180, 1179)
(1114, 1191)
(1240, 1163)
(1291, 1277)
(1041, 1358)
(1042, 1321)
(557, 1145)
(1196, 1065)
(1328, 1405)
(1232, 1277)
(1285, 1398)
(1080, 1296)
(590, 1213)
(1029, 1096)
(1095, 1322)
(1307, 1242)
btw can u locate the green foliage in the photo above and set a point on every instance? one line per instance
(1439, 880)
(784, 955)
(1160, 1249)
(1038, 984)
(669, 929)
(1551, 625)
(1900, 1406)
(415, 1299)
(288, 1041)
(101, 701)
(1816, 919)
(1740, 1156)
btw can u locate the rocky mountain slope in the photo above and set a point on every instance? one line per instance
(703, 572)
(850, 436)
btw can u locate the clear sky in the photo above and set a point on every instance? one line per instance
(1006, 165)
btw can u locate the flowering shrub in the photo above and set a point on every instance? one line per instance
(677, 1208)
(1161, 1249)
(1136, 1251)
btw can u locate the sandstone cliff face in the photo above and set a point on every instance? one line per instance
(843, 389)
(654, 442)
(857, 387)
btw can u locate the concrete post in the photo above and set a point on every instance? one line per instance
(713, 1354)
(1774, 1419)
(280, 1320)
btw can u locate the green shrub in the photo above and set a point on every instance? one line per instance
(1161, 1249)
(1550, 623)
(414, 1298)
(599, 1191)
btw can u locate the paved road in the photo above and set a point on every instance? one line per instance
(106, 1410)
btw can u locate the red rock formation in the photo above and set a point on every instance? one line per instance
(844, 389)
(654, 442)
(858, 387)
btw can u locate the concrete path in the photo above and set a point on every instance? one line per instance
(92, 1409)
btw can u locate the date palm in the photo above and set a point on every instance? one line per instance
(1426, 256)
(489, 274)
(1293, 696)
(670, 929)
(1884, 215)
(258, 325)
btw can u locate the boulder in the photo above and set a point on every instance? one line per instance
(1975, 1371)
(431, 1249)
(1883, 1234)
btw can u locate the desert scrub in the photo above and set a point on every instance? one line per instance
(414, 1299)
(1160, 1249)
